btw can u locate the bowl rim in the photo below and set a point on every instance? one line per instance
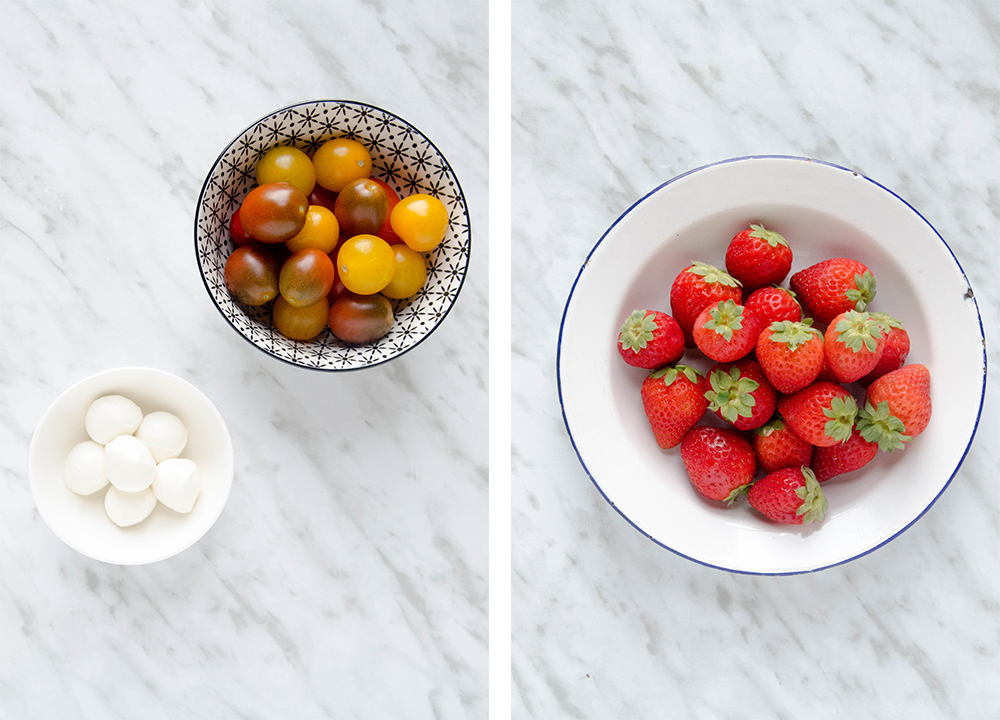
(744, 158)
(458, 188)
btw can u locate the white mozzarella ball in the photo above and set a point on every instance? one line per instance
(128, 464)
(164, 434)
(128, 508)
(85, 468)
(177, 484)
(111, 416)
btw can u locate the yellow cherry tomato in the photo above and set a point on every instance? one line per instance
(410, 275)
(287, 164)
(321, 231)
(339, 161)
(420, 221)
(366, 264)
(300, 323)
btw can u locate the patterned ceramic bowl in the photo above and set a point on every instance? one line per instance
(403, 157)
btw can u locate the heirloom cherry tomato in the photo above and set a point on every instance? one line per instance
(360, 319)
(321, 231)
(421, 221)
(362, 207)
(274, 213)
(339, 161)
(410, 275)
(251, 274)
(306, 277)
(365, 264)
(300, 323)
(239, 235)
(321, 196)
(287, 164)
(385, 232)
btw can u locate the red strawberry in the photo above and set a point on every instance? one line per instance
(695, 288)
(845, 457)
(773, 304)
(822, 414)
(674, 400)
(758, 257)
(833, 286)
(650, 339)
(719, 462)
(725, 332)
(740, 394)
(897, 408)
(853, 343)
(897, 347)
(791, 354)
(791, 495)
(777, 446)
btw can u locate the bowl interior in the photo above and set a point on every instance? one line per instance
(81, 522)
(403, 157)
(824, 212)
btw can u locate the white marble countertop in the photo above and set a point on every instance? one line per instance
(610, 101)
(347, 576)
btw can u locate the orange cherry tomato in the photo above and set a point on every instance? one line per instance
(321, 231)
(366, 264)
(339, 161)
(300, 323)
(410, 275)
(421, 221)
(287, 164)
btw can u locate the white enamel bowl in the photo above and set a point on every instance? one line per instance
(824, 211)
(82, 522)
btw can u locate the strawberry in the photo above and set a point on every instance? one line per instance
(897, 407)
(725, 332)
(833, 286)
(674, 400)
(845, 457)
(853, 344)
(758, 257)
(897, 347)
(720, 462)
(791, 495)
(777, 446)
(822, 414)
(650, 339)
(791, 354)
(740, 394)
(695, 288)
(773, 304)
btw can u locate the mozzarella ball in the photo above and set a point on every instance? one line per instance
(128, 464)
(164, 434)
(85, 468)
(128, 508)
(177, 484)
(111, 416)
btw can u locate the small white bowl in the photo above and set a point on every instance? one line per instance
(824, 211)
(82, 522)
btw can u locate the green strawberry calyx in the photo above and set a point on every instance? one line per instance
(731, 395)
(793, 334)
(858, 330)
(863, 291)
(842, 412)
(770, 236)
(768, 429)
(711, 274)
(670, 373)
(736, 493)
(887, 322)
(724, 318)
(637, 330)
(879, 425)
(814, 503)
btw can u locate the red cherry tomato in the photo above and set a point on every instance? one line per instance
(239, 235)
(251, 274)
(359, 319)
(321, 196)
(387, 233)
(274, 212)
(306, 277)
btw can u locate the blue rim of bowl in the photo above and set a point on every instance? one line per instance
(569, 300)
(458, 187)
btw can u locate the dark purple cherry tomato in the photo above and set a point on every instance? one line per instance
(361, 208)
(306, 277)
(360, 319)
(251, 274)
(274, 212)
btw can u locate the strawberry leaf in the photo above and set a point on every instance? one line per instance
(858, 329)
(637, 330)
(842, 412)
(773, 239)
(731, 395)
(724, 318)
(863, 291)
(712, 274)
(814, 503)
(793, 334)
(879, 425)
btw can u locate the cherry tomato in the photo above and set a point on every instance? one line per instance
(410, 275)
(365, 264)
(300, 323)
(287, 164)
(251, 274)
(239, 235)
(321, 196)
(274, 213)
(339, 161)
(362, 207)
(421, 221)
(321, 231)
(360, 319)
(385, 232)
(306, 277)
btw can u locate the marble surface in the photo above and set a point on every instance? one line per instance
(347, 576)
(610, 101)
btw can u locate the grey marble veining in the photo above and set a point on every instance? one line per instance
(610, 101)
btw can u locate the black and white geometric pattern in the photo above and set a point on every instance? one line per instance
(401, 156)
